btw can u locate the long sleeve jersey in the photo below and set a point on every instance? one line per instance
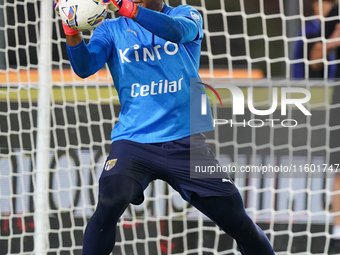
(154, 62)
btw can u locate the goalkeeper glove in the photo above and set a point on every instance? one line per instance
(124, 7)
(67, 29)
(56, 6)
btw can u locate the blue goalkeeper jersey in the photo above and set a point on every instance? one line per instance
(152, 77)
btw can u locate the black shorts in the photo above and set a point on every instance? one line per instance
(170, 162)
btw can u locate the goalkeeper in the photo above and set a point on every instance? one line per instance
(152, 52)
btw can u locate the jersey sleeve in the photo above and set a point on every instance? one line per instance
(88, 59)
(193, 15)
(182, 25)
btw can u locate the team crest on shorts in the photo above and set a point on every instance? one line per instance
(110, 164)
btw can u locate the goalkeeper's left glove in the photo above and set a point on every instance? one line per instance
(124, 7)
(67, 30)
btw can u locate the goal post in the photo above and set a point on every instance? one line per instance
(55, 136)
(43, 130)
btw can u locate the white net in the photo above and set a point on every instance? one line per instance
(243, 39)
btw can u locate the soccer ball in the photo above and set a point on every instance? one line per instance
(82, 15)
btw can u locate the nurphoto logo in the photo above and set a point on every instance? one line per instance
(204, 97)
(238, 105)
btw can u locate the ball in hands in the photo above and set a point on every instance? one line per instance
(82, 15)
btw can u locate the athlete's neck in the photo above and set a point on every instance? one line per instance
(162, 7)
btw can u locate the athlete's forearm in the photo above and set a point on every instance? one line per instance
(174, 29)
(316, 54)
(317, 49)
(86, 60)
(73, 40)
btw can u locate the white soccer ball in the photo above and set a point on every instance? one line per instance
(82, 15)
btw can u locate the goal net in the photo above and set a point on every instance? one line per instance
(55, 136)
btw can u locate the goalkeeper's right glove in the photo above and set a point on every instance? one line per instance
(68, 30)
(124, 7)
